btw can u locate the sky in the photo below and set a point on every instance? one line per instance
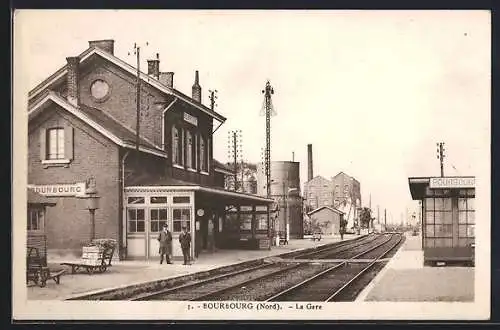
(372, 91)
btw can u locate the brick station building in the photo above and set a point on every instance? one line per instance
(82, 128)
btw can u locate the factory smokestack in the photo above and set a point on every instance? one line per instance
(309, 162)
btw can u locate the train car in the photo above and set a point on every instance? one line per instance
(448, 218)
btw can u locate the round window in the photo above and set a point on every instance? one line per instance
(99, 89)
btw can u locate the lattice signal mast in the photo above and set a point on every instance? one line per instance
(268, 110)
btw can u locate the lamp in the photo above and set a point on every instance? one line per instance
(92, 203)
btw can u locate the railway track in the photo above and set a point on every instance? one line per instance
(330, 284)
(272, 274)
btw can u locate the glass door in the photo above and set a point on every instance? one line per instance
(157, 219)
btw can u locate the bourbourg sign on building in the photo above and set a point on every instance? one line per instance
(60, 190)
(452, 182)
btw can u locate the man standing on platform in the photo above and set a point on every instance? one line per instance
(165, 239)
(185, 240)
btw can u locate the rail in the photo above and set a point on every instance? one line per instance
(329, 270)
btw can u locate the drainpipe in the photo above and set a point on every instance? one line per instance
(122, 228)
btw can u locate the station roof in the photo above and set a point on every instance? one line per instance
(97, 119)
(91, 52)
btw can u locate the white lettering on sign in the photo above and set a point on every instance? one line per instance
(60, 190)
(190, 119)
(452, 182)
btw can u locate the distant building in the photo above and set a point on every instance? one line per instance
(346, 187)
(318, 192)
(327, 219)
(343, 192)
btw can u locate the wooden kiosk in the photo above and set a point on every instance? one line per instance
(448, 218)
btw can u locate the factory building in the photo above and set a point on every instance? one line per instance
(84, 136)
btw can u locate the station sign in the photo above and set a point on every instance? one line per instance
(452, 182)
(190, 119)
(60, 190)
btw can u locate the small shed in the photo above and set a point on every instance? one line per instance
(327, 219)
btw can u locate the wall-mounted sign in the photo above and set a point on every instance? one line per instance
(190, 119)
(60, 190)
(452, 182)
(200, 212)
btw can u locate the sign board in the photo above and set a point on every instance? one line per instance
(190, 119)
(264, 243)
(60, 190)
(452, 182)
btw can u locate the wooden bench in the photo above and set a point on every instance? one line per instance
(93, 259)
(37, 270)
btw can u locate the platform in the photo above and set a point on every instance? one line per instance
(405, 278)
(124, 273)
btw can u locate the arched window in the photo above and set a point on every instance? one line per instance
(176, 145)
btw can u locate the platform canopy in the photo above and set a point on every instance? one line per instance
(418, 185)
(223, 195)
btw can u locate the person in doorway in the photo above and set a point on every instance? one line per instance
(165, 239)
(185, 240)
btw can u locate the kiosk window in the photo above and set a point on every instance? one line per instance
(261, 221)
(466, 217)
(245, 221)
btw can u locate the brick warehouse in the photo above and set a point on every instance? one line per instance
(82, 122)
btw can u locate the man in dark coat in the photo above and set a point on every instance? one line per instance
(165, 239)
(185, 240)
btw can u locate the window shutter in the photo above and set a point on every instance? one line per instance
(68, 142)
(43, 143)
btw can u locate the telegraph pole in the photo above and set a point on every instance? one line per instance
(137, 53)
(385, 220)
(235, 145)
(440, 155)
(212, 98)
(138, 95)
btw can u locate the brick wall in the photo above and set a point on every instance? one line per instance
(121, 103)
(68, 223)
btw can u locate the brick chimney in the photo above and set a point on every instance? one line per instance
(167, 78)
(309, 162)
(108, 45)
(72, 80)
(196, 88)
(154, 67)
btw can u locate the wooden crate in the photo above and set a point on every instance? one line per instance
(92, 255)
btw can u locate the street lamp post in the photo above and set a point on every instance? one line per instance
(92, 201)
(287, 217)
